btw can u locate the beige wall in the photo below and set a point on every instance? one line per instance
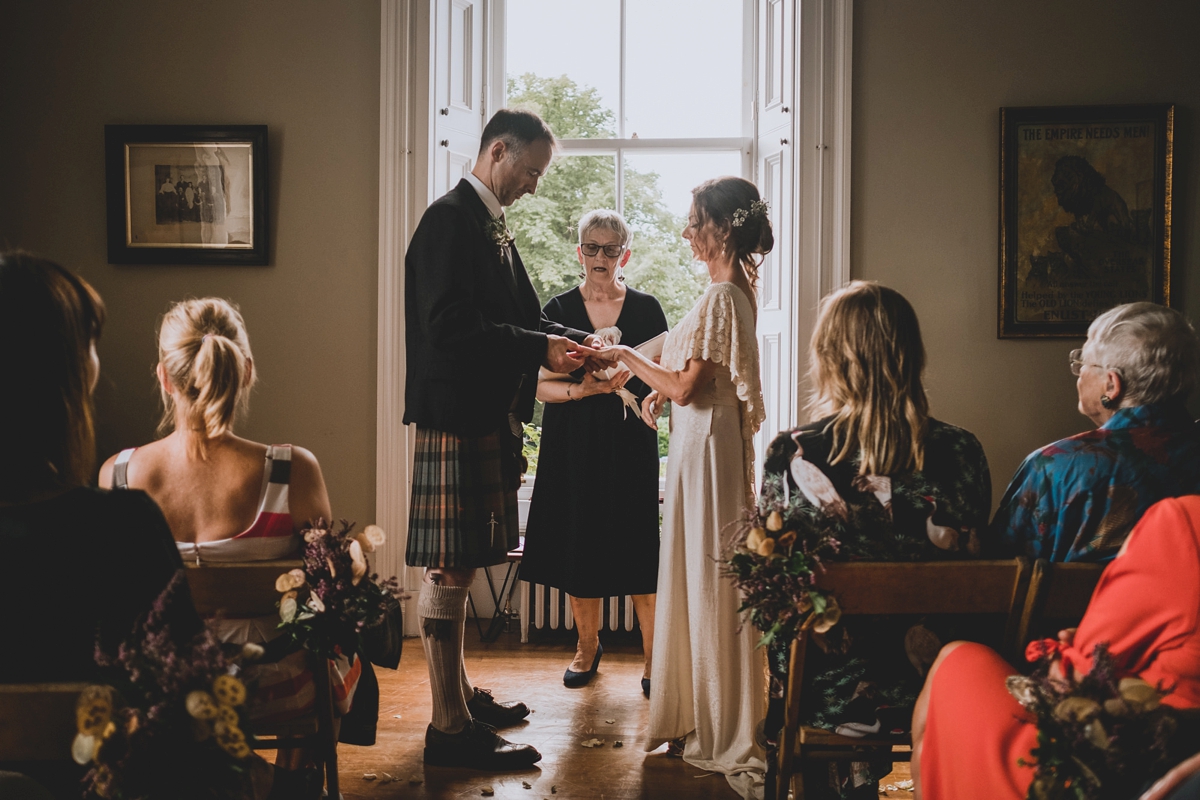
(929, 78)
(309, 70)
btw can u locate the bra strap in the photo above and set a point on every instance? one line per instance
(121, 469)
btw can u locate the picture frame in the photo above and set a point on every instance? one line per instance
(1085, 214)
(186, 194)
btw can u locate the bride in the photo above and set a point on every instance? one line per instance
(708, 682)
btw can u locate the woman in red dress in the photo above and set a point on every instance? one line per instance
(968, 731)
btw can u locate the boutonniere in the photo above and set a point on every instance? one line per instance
(498, 232)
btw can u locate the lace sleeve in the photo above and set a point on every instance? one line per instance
(720, 329)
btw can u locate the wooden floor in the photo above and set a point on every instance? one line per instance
(611, 709)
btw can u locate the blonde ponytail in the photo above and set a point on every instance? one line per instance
(204, 349)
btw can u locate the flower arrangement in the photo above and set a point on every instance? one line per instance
(775, 571)
(325, 606)
(498, 232)
(1099, 736)
(173, 728)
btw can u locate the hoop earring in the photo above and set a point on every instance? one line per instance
(1107, 402)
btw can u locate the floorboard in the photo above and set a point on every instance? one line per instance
(611, 709)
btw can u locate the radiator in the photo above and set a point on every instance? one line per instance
(546, 607)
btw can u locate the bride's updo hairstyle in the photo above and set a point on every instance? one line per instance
(867, 362)
(738, 217)
(204, 349)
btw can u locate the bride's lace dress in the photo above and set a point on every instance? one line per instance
(708, 680)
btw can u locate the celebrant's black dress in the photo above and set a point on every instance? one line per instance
(593, 524)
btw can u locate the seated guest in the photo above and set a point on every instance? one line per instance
(968, 731)
(77, 561)
(225, 497)
(1078, 498)
(893, 484)
(79, 565)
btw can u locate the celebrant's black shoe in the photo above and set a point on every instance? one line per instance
(476, 746)
(573, 680)
(646, 686)
(484, 708)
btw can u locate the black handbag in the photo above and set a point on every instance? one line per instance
(383, 642)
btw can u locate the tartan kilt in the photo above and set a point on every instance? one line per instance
(463, 509)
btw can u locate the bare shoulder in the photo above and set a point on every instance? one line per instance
(309, 499)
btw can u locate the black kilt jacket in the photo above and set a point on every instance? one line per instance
(475, 332)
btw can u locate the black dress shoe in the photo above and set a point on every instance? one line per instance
(476, 746)
(484, 708)
(646, 686)
(573, 680)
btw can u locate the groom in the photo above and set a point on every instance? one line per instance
(475, 340)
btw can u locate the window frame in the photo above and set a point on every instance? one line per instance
(617, 146)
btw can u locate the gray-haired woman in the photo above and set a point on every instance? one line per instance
(1078, 498)
(593, 522)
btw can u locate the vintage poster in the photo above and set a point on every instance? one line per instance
(1085, 214)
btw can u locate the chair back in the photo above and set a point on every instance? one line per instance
(237, 589)
(37, 720)
(894, 588)
(1058, 596)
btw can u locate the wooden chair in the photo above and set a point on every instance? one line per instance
(1058, 596)
(37, 721)
(942, 587)
(247, 589)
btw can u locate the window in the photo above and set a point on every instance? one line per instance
(648, 98)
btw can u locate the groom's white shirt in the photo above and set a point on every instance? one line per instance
(485, 194)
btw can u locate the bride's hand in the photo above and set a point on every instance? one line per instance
(593, 385)
(650, 408)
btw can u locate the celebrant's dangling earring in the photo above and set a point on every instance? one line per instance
(621, 274)
(1107, 402)
(582, 275)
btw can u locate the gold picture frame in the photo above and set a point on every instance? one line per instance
(1085, 214)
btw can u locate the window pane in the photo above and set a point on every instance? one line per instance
(684, 68)
(563, 59)
(545, 223)
(658, 194)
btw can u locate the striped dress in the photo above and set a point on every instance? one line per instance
(285, 688)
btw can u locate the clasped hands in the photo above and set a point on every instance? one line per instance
(565, 356)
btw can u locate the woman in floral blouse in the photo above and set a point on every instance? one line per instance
(890, 483)
(1078, 498)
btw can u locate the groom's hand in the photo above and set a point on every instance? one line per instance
(563, 355)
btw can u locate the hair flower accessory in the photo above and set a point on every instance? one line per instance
(758, 208)
(498, 232)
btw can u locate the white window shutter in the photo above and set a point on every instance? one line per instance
(774, 175)
(459, 62)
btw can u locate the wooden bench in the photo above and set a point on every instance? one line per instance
(1058, 596)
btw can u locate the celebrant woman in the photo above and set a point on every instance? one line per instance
(708, 679)
(593, 521)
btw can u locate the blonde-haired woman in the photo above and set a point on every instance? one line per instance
(227, 498)
(895, 485)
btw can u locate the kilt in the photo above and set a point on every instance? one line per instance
(463, 509)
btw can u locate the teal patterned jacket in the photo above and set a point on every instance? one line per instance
(1078, 498)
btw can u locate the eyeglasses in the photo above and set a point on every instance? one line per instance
(1077, 363)
(590, 249)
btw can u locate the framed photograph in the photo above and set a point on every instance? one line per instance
(1085, 214)
(186, 194)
